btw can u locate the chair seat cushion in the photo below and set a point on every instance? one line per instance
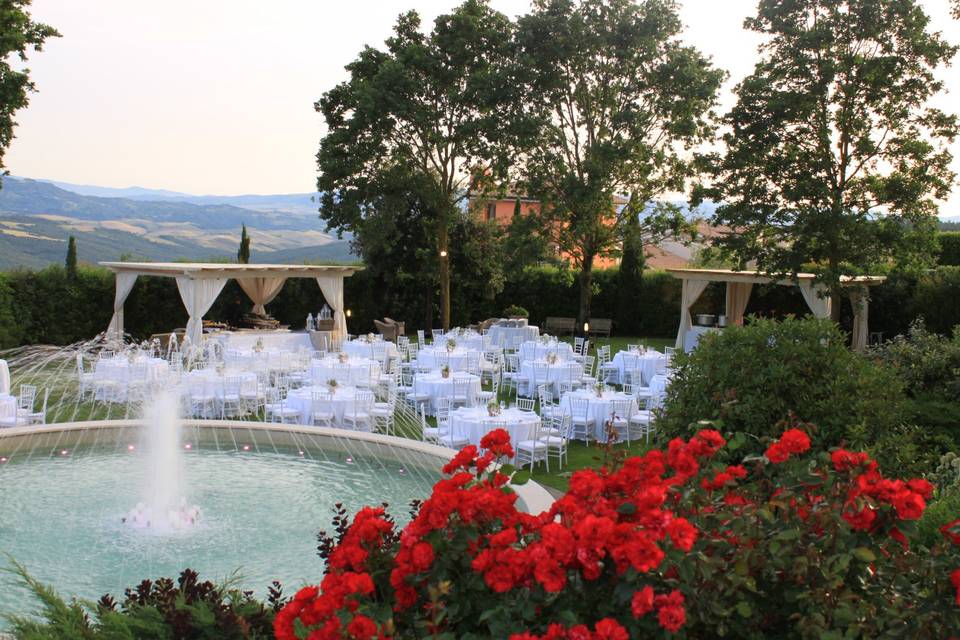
(531, 444)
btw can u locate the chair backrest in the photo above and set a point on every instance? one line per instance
(80, 363)
(443, 412)
(603, 354)
(320, 400)
(462, 389)
(588, 362)
(421, 336)
(629, 361)
(512, 362)
(579, 406)
(622, 408)
(545, 396)
(473, 363)
(669, 351)
(437, 333)
(362, 401)
(578, 346)
(232, 384)
(27, 397)
(525, 404)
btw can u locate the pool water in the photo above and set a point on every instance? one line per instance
(60, 516)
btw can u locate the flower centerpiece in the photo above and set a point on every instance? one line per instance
(493, 409)
(332, 384)
(343, 357)
(370, 338)
(445, 371)
(552, 358)
(599, 387)
(451, 344)
(258, 345)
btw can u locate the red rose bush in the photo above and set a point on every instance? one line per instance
(671, 543)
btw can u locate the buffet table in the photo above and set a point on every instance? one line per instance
(504, 336)
(693, 336)
(279, 340)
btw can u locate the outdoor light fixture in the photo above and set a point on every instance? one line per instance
(586, 327)
(443, 253)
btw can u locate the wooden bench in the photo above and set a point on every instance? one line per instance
(600, 327)
(560, 326)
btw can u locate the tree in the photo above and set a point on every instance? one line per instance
(71, 261)
(18, 34)
(243, 254)
(835, 157)
(618, 100)
(630, 277)
(430, 103)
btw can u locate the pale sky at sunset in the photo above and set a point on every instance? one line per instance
(216, 96)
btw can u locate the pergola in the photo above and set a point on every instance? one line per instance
(740, 283)
(200, 284)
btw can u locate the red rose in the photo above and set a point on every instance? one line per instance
(670, 612)
(844, 460)
(362, 628)
(955, 581)
(682, 534)
(610, 629)
(642, 602)
(861, 520)
(777, 453)
(795, 441)
(422, 556)
(909, 505)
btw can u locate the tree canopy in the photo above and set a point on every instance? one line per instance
(430, 105)
(618, 100)
(18, 35)
(834, 156)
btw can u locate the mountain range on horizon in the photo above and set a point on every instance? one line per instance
(38, 216)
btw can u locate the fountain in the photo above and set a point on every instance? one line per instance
(165, 507)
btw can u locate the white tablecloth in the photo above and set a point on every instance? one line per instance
(599, 409)
(645, 362)
(504, 336)
(693, 336)
(434, 358)
(364, 349)
(469, 340)
(658, 388)
(8, 406)
(265, 360)
(278, 340)
(212, 381)
(536, 350)
(362, 372)
(4, 378)
(302, 398)
(475, 422)
(555, 374)
(436, 386)
(120, 370)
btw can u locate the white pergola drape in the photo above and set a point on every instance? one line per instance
(198, 296)
(817, 298)
(124, 284)
(332, 289)
(4, 378)
(689, 294)
(860, 299)
(261, 291)
(738, 295)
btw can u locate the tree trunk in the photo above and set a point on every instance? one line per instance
(443, 246)
(586, 289)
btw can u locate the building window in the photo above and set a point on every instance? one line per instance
(491, 211)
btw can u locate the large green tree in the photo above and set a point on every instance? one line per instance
(430, 103)
(18, 35)
(619, 101)
(834, 156)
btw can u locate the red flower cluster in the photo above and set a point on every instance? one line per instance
(793, 441)
(869, 491)
(606, 629)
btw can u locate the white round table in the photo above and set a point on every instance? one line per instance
(658, 389)
(8, 406)
(475, 422)
(466, 340)
(362, 372)
(212, 381)
(552, 376)
(646, 362)
(599, 408)
(436, 386)
(505, 336)
(536, 350)
(434, 358)
(374, 350)
(341, 402)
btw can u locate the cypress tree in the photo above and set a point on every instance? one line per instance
(243, 255)
(630, 278)
(71, 262)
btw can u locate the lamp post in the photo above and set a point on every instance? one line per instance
(586, 329)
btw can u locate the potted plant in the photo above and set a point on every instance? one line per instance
(343, 357)
(599, 387)
(493, 409)
(516, 312)
(445, 371)
(332, 384)
(451, 344)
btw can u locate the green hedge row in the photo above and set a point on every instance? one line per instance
(48, 307)
(949, 248)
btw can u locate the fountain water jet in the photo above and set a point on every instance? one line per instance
(165, 506)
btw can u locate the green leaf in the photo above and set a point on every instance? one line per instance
(627, 509)
(864, 554)
(520, 478)
(744, 609)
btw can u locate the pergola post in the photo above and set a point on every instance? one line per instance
(123, 285)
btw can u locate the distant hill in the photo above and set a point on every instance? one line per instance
(37, 217)
(303, 203)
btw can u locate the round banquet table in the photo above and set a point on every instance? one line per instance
(658, 389)
(433, 358)
(646, 362)
(302, 399)
(598, 409)
(475, 422)
(536, 350)
(211, 380)
(505, 336)
(555, 374)
(364, 349)
(436, 386)
(467, 340)
(8, 406)
(362, 372)
(112, 376)
(265, 360)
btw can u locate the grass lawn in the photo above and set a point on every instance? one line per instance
(580, 456)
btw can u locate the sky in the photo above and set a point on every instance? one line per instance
(216, 96)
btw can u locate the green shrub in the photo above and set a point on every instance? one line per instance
(927, 362)
(943, 509)
(516, 311)
(160, 610)
(755, 376)
(949, 248)
(906, 449)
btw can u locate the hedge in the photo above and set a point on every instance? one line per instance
(48, 307)
(949, 248)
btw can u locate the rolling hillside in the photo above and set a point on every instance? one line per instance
(37, 218)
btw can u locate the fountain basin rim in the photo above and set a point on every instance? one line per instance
(536, 498)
